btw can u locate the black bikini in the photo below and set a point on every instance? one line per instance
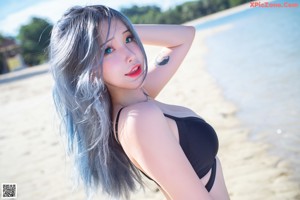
(199, 143)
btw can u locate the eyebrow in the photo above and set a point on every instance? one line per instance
(127, 30)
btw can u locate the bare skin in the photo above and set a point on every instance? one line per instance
(149, 139)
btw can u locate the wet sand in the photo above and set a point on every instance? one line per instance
(32, 151)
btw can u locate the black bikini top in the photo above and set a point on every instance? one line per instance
(198, 140)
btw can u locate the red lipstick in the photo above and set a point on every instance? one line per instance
(135, 71)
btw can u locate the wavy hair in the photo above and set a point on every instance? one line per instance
(83, 101)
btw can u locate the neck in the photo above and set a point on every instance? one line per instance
(125, 98)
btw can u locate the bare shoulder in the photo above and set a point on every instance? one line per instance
(143, 131)
(140, 126)
(143, 110)
(138, 117)
(149, 143)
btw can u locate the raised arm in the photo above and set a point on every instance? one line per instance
(150, 144)
(176, 41)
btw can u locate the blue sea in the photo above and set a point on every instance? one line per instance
(256, 61)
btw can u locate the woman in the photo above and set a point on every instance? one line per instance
(105, 95)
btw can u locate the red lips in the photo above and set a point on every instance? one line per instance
(135, 71)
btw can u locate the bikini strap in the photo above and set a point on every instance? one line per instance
(116, 125)
(212, 177)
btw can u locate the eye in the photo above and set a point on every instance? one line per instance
(108, 50)
(129, 39)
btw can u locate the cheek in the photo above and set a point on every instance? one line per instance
(135, 48)
(110, 70)
(111, 62)
(141, 56)
(107, 71)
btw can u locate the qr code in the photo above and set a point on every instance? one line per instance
(9, 190)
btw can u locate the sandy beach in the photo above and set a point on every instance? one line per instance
(32, 152)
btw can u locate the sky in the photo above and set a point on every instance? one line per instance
(15, 13)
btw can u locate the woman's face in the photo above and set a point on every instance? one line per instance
(123, 62)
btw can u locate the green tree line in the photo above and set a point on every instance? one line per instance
(34, 37)
(33, 41)
(179, 14)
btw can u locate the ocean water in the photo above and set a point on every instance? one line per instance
(256, 61)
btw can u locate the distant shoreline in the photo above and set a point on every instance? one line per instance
(24, 73)
(219, 14)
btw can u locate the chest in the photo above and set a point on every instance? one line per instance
(197, 139)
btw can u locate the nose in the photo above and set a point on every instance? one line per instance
(129, 55)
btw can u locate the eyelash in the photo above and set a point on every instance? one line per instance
(111, 49)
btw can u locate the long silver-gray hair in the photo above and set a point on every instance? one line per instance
(83, 101)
